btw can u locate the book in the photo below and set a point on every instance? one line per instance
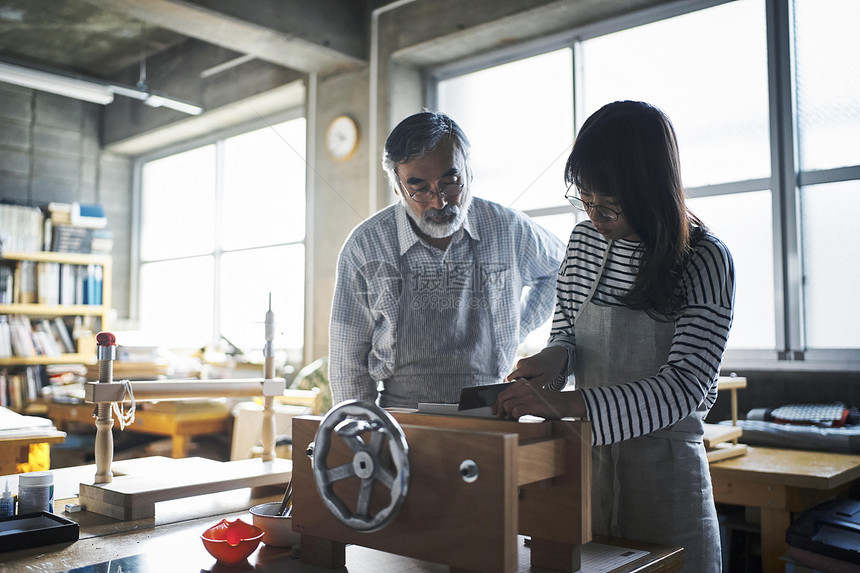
(72, 239)
(64, 335)
(102, 241)
(7, 284)
(90, 215)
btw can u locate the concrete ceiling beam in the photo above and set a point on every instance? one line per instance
(291, 48)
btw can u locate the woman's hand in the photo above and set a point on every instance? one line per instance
(542, 368)
(524, 398)
(527, 395)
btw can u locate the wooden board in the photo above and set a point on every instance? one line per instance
(137, 487)
(719, 433)
(725, 451)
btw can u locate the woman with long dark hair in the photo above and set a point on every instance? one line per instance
(643, 311)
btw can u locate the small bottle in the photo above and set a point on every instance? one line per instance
(7, 502)
(35, 492)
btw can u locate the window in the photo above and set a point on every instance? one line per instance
(222, 228)
(720, 97)
(828, 131)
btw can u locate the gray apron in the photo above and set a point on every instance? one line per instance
(654, 488)
(445, 335)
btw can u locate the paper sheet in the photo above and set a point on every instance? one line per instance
(600, 558)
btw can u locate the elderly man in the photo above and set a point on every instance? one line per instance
(435, 292)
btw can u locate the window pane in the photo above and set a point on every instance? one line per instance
(176, 302)
(743, 221)
(519, 119)
(264, 187)
(828, 82)
(178, 205)
(830, 270)
(708, 71)
(560, 225)
(247, 279)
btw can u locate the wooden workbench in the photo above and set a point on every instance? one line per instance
(779, 482)
(170, 541)
(15, 450)
(156, 547)
(180, 422)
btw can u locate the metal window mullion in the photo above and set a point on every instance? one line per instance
(218, 251)
(788, 267)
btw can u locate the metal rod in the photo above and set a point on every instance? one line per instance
(106, 351)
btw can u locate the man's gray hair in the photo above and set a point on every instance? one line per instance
(418, 135)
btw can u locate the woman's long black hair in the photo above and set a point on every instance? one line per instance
(628, 150)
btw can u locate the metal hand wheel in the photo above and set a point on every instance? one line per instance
(350, 420)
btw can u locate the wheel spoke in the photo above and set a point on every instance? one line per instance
(364, 494)
(339, 473)
(385, 476)
(377, 440)
(355, 443)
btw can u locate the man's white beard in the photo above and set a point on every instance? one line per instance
(441, 223)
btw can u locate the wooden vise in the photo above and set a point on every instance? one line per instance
(530, 479)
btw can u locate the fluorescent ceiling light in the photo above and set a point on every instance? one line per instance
(154, 100)
(61, 85)
(87, 90)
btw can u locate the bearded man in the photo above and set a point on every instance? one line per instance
(435, 292)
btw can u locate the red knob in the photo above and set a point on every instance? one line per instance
(105, 339)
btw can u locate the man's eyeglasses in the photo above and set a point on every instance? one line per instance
(449, 188)
(602, 211)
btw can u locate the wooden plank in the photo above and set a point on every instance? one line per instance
(555, 556)
(525, 430)
(719, 433)
(49, 438)
(562, 512)
(132, 495)
(540, 460)
(725, 451)
(798, 468)
(731, 382)
(774, 523)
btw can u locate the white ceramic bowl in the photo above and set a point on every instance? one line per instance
(277, 530)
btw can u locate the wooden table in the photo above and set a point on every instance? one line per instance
(779, 482)
(180, 421)
(170, 541)
(15, 450)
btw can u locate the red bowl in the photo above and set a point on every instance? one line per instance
(231, 542)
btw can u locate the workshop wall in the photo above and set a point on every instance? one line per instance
(50, 150)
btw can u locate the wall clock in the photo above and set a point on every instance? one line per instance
(342, 138)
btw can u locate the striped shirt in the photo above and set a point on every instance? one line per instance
(688, 379)
(499, 271)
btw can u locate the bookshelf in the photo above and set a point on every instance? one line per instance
(36, 310)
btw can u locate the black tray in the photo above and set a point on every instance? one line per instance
(34, 529)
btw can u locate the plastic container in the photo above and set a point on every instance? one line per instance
(7, 502)
(35, 492)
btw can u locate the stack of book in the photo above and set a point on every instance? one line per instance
(50, 283)
(23, 337)
(19, 388)
(20, 228)
(77, 228)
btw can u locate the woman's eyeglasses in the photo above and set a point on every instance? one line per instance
(601, 211)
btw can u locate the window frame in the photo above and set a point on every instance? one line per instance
(213, 138)
(785, 181)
